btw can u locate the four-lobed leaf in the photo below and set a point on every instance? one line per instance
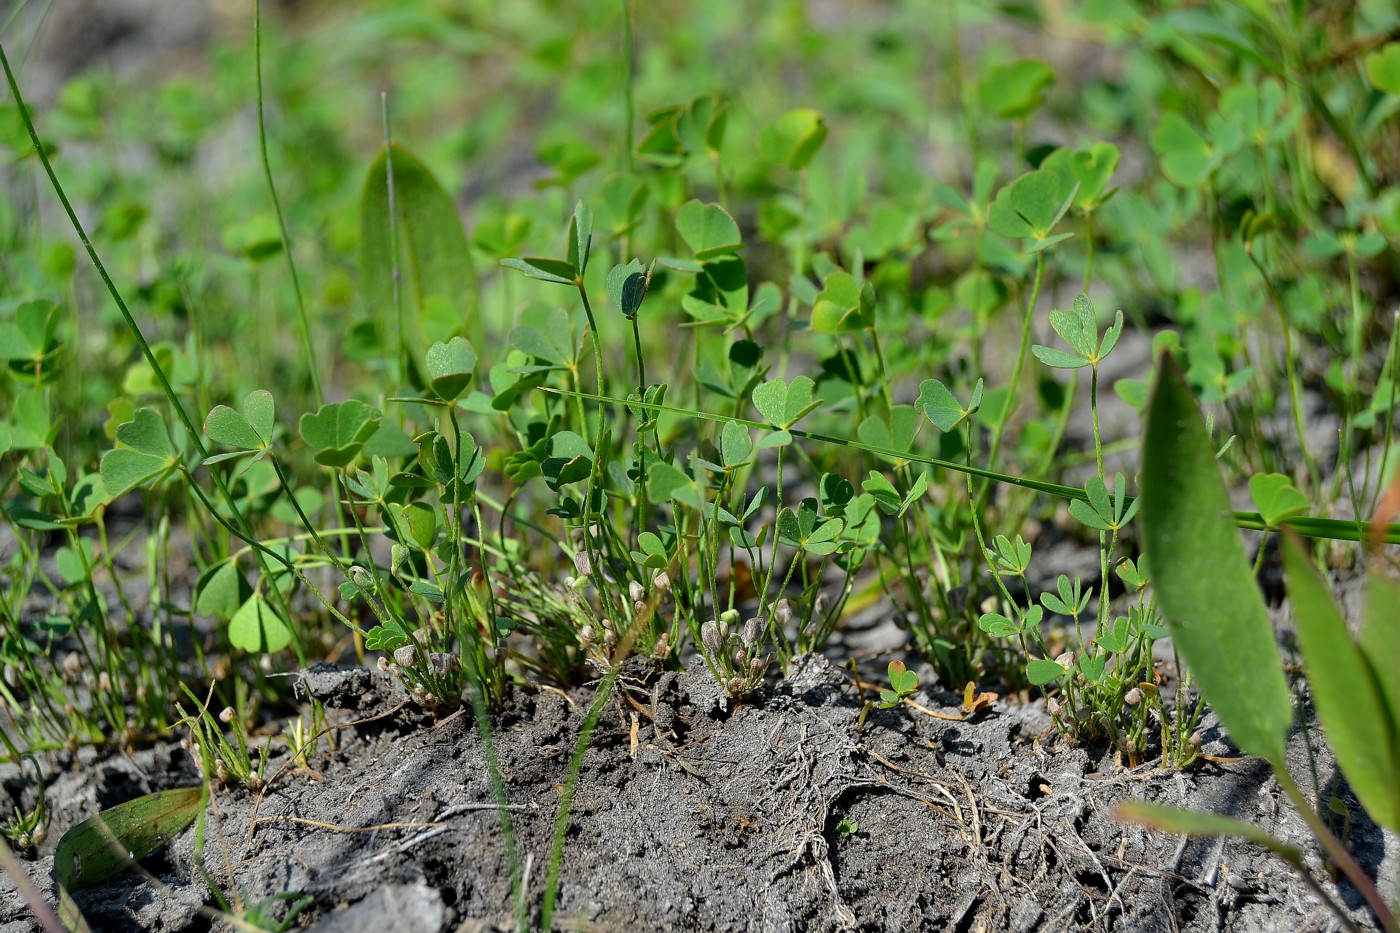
(1276, 498)
(337, 431)
(940, 406)
(143, 454)
(708, 230)
(1030, 207)
(1080, 329)
(451, 365)
(784, 404)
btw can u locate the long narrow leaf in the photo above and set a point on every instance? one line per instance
(1203, 581)
(1348, 702)
(101, 846)
(1195, 823)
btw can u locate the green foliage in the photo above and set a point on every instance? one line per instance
(752, 447)
(113, 840)
(1207, 594)
(903, 683)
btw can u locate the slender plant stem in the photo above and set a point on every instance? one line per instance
(169, 391)
(277, 207)
(597, 351)
(628, 107)
(1335, 850)
(1307, 526)
(1291, 373)
(1009, 405)
(396, 274)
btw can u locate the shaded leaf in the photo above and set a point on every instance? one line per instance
(111, 842)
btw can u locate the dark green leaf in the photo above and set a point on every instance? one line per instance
(109, 843)
(1204, 584)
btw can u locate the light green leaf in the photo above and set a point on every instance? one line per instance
(1276, 498)
(420, 521)
(794, 138)
(1041, 671)
(1186, 158)
(144, 454)
(1058, 358)
(708, 230)
(556, 271)
(784, 404)
(1027, 207)
(1383, 68)
(580, 237)
(843, 306)
(1015, 91)
(249, 429)
(736, 444)
(941, 407)
(221, 590)
(257, 627)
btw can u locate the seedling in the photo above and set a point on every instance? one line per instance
(903, 683)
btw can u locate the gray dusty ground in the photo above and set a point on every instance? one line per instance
(689, 820)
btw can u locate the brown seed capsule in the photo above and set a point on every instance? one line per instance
(636, 591)
(709, 634)
(752, 631)
(662, 582)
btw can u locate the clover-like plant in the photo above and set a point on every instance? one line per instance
(903, 683)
